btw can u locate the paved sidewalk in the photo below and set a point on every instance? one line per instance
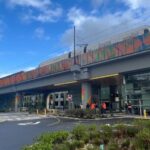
(19, 116)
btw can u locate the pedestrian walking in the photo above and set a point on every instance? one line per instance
(103, 108)
(92, 106)
(130, 108)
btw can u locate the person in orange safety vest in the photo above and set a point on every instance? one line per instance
(103, 108)
(92, 106)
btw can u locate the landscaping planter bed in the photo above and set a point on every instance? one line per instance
(118, 137)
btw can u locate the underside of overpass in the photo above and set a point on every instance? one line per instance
(105, 81)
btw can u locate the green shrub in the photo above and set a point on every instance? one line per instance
(92, 148)
(132, 145)
(86, 138)
(105, 133)
(69, 145)
(125, 144)
(72, 146)
(119, 137)
(96, 141)
(142, 123)
(112, 145)
(106, 130)
(61, 147)
(131, 131)
(55, 137)
(105, 139)
(75, 113)
(46, 140)
(80, 113)
(70, 113)
(39, 146)
(92, 127)
(79, 144)
(90, 114)
(92, 132)
(142, 139)
(120, 130)
(79, 132)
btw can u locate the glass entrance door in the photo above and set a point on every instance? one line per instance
(138, 91)
(110, 95)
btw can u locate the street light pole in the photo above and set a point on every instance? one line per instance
(74, 45)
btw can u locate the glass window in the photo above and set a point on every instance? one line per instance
(105, 93)
(56, 95)
(138, 89)
(62, 95)
(56, 103)
(62, 103)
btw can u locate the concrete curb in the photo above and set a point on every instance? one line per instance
(55, 123)
(96, 119)
(134, 116)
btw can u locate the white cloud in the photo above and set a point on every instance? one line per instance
(37, 10)
(94, 30)
(30, 3)
(76, 16)
(40, 34)
(135, 4)
(44, 16)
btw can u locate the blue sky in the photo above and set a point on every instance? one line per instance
(32, 31)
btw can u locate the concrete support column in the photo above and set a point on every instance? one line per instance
(48, 102)
(125, 98)
(119, 92)
(17, 100)
(86, 93)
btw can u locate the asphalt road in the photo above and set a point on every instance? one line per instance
(14, 135)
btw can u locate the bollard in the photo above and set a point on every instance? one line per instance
(145, 115)
(45, 112)
(37, 111)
